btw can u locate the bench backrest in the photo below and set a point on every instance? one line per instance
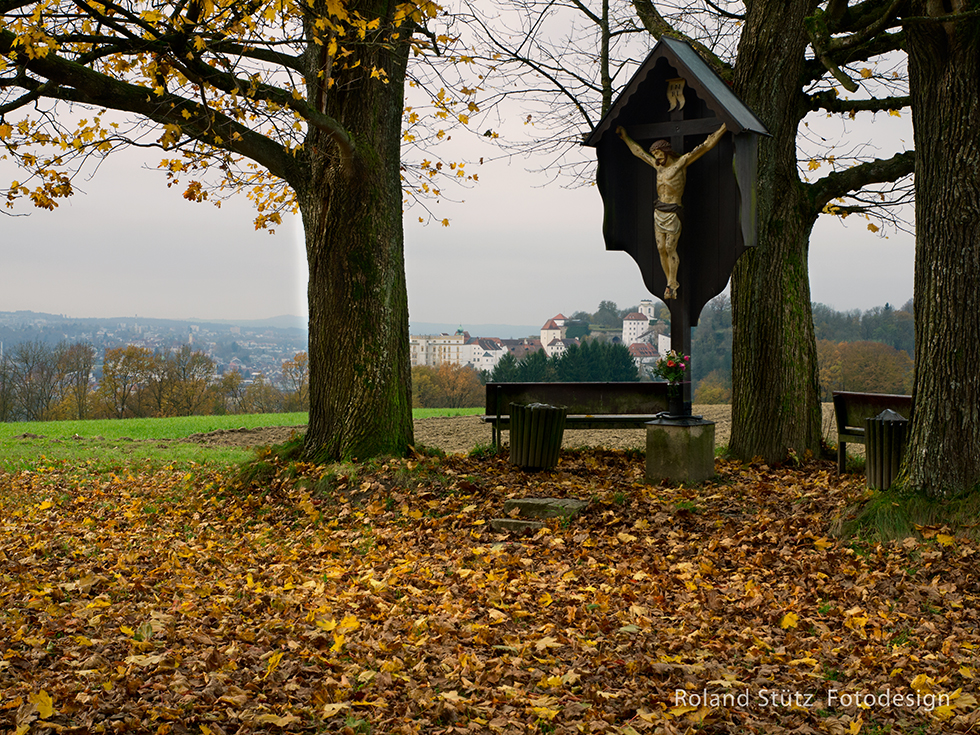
(580, 398)
(852, 409)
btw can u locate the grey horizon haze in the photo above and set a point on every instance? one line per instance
(517, 251)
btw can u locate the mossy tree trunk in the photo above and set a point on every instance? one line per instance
(943, 455)
(360, 375)
(775, 387)
(229, 97)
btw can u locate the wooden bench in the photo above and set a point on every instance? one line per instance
(624, 405)
(851, 409)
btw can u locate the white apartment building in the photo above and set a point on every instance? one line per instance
(456, 349)
(486, 353)
(433, 350)
(635, 325)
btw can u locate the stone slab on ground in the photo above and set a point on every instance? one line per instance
(545, 507)
(515, 525)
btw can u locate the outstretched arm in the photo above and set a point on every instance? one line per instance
(710, 142)
(635, 147)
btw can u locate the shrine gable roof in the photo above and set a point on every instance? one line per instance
(710, 87)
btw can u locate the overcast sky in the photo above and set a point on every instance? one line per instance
(517, 252)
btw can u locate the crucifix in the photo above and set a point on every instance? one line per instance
(676, 98)
(671, 168)
(670, 163)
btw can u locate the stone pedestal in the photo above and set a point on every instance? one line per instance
(680, 450)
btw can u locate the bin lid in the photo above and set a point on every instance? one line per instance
(889, 415)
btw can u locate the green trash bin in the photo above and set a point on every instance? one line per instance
(884, 443)
(536, 431)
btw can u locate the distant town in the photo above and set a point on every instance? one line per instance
(641, 333)
(261, 348)
(58, 366)
(249, 348)
(54, 366)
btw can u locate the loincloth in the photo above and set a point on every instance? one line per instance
(667, 217)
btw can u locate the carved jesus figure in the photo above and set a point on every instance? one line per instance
(671, 177)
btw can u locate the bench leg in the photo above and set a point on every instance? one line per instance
(841, 457)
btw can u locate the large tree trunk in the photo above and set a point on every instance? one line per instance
(360, 376)
(943, 456)
(775, 389)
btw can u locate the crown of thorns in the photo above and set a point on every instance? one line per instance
(663, 145)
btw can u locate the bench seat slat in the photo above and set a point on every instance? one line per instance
(589, 421)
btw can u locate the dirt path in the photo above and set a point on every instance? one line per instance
(459, 434)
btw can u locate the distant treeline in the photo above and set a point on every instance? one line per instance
(592, 360)
(41, 382)
(861, 351)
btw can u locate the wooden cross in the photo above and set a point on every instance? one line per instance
(676, 130)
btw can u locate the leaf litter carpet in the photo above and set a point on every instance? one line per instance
(173, 603)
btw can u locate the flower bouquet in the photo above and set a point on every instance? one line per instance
(673, 367)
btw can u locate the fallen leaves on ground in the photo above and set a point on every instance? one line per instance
(169, 603)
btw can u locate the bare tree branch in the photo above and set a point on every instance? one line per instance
(832, 103)
(827, 46)
(842, 183)
(658, 26)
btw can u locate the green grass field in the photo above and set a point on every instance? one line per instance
(427, 413)
(144, 429)
(114, 443)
